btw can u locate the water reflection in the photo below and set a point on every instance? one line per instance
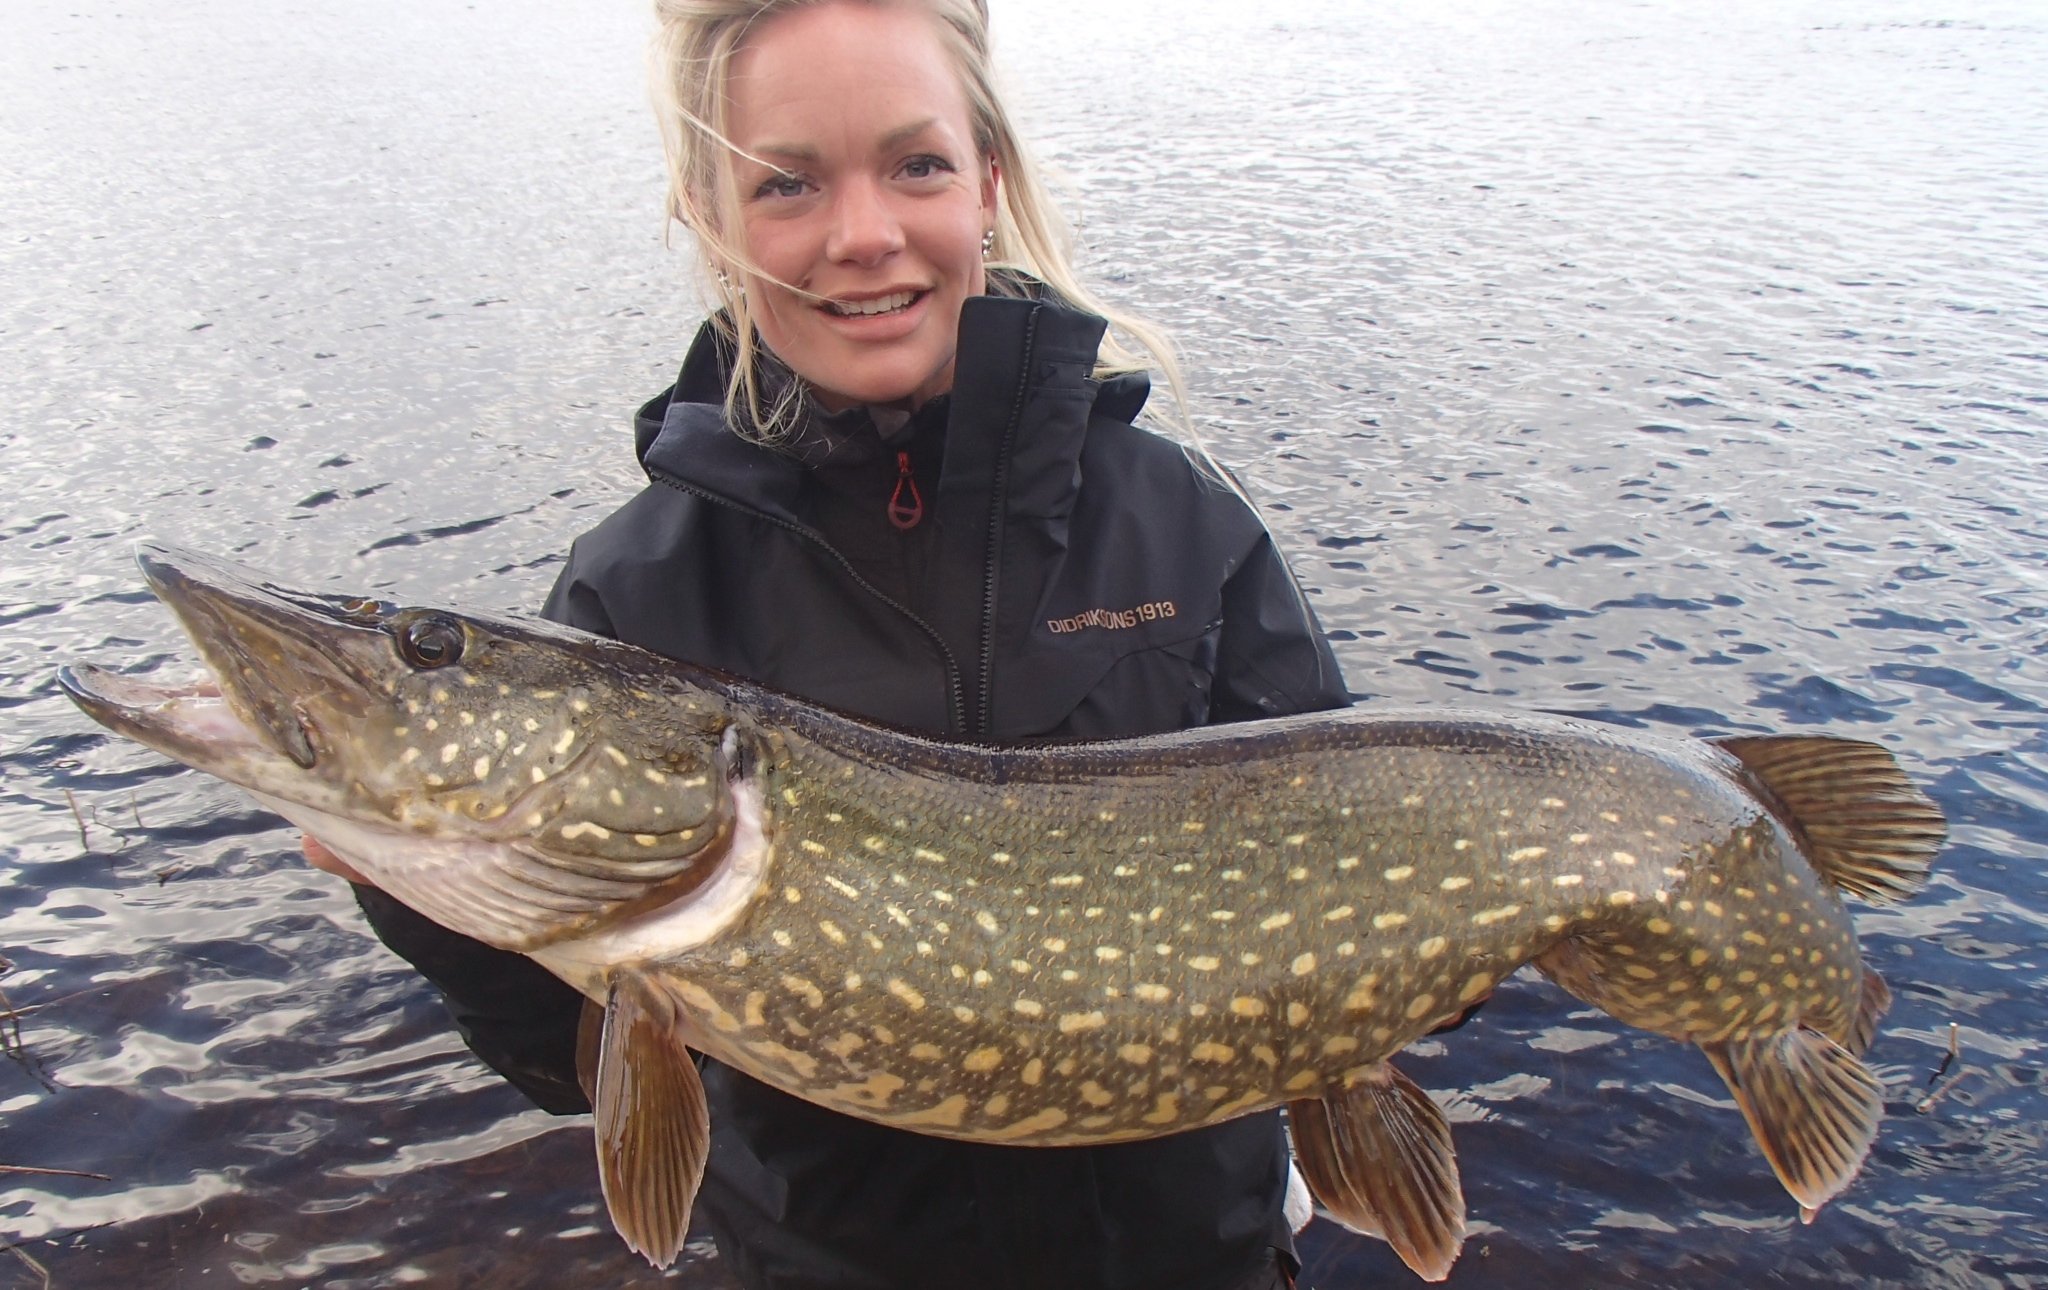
(1676, 366)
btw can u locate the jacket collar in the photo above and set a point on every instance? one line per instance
(1023, 391)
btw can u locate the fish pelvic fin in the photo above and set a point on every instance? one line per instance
(1812, 1105)
(1378, 1156)
(653, 1123)
(1875, 1001)
(1868, 830)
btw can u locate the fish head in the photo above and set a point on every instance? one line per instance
(574, 777)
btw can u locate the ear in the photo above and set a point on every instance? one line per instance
(991, 181)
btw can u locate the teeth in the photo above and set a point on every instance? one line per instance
(879, 305)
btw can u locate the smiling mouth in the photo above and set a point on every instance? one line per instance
(879, 305)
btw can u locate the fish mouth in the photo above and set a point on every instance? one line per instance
(268, 650)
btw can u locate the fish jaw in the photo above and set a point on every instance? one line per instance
(554, 780)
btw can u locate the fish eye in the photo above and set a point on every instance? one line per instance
(430, 642)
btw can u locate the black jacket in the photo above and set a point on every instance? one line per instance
(1069, 576)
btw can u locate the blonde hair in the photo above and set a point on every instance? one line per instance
(691, 59)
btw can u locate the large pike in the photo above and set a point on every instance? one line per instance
(1061, 944)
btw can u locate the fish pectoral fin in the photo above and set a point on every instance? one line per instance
(1378, 1156)
(1812, 1105)
(653, 1124)
(1869, 830)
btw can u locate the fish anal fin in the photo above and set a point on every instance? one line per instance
(653, 1124)
(1378, 1156)
(1867, 829)
(1812, 1105)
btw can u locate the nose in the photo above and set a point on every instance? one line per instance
(864, 229)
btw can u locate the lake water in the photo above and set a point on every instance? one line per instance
(1682, 366)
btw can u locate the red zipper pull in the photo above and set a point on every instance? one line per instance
(905, 514)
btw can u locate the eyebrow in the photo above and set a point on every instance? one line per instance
(807, 155)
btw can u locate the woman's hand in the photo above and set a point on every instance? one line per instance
(320, 857)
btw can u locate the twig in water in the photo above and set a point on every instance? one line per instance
(35, 1267)
(84, 842)
(1936, 1092)
(54, 1173)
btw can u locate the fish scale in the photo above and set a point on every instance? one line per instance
(1055, 945)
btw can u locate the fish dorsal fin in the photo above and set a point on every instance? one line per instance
(1378, 1156)
(1812, 1105)
(1868, 829)
(1875, 1001)
(653, 1125)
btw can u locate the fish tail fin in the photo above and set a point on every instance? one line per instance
(1812, 1105)
(1378, 1156)
(1868, 830)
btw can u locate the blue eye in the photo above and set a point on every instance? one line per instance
(924, 167)
(783, 185)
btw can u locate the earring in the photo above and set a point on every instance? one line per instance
(726, 284)
(988, 243)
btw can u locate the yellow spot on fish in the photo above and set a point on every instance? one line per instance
(1420, 1006)
(1303, 964)
(1276, 922)
(1209, 1051)
(1205, 963)
(1529, 853)
(1050, 1118)
(1135, 1054)
(1431, 947)
(805, 1065)
(1305, 1080)
(1151, 993)
(1166, 1110)
(1386, 922)
(1071, 1022)
(1245, 1005)
(987, 922)
(1297, 1014)
(1338, 914)
(1567, 880)
(906, 992)
(1029, 1007)
(1399, 873)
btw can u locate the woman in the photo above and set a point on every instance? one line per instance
(900, 484)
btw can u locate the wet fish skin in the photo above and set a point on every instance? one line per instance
(1065, 944)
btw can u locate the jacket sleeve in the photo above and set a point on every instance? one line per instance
(516, 1016)
(1273, 660)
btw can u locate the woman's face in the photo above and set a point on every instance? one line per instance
(858, 182)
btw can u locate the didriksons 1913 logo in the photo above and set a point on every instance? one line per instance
(1113, 619)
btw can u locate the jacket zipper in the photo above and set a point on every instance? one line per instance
(992, 560)
(956, 698)
(904, 512)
